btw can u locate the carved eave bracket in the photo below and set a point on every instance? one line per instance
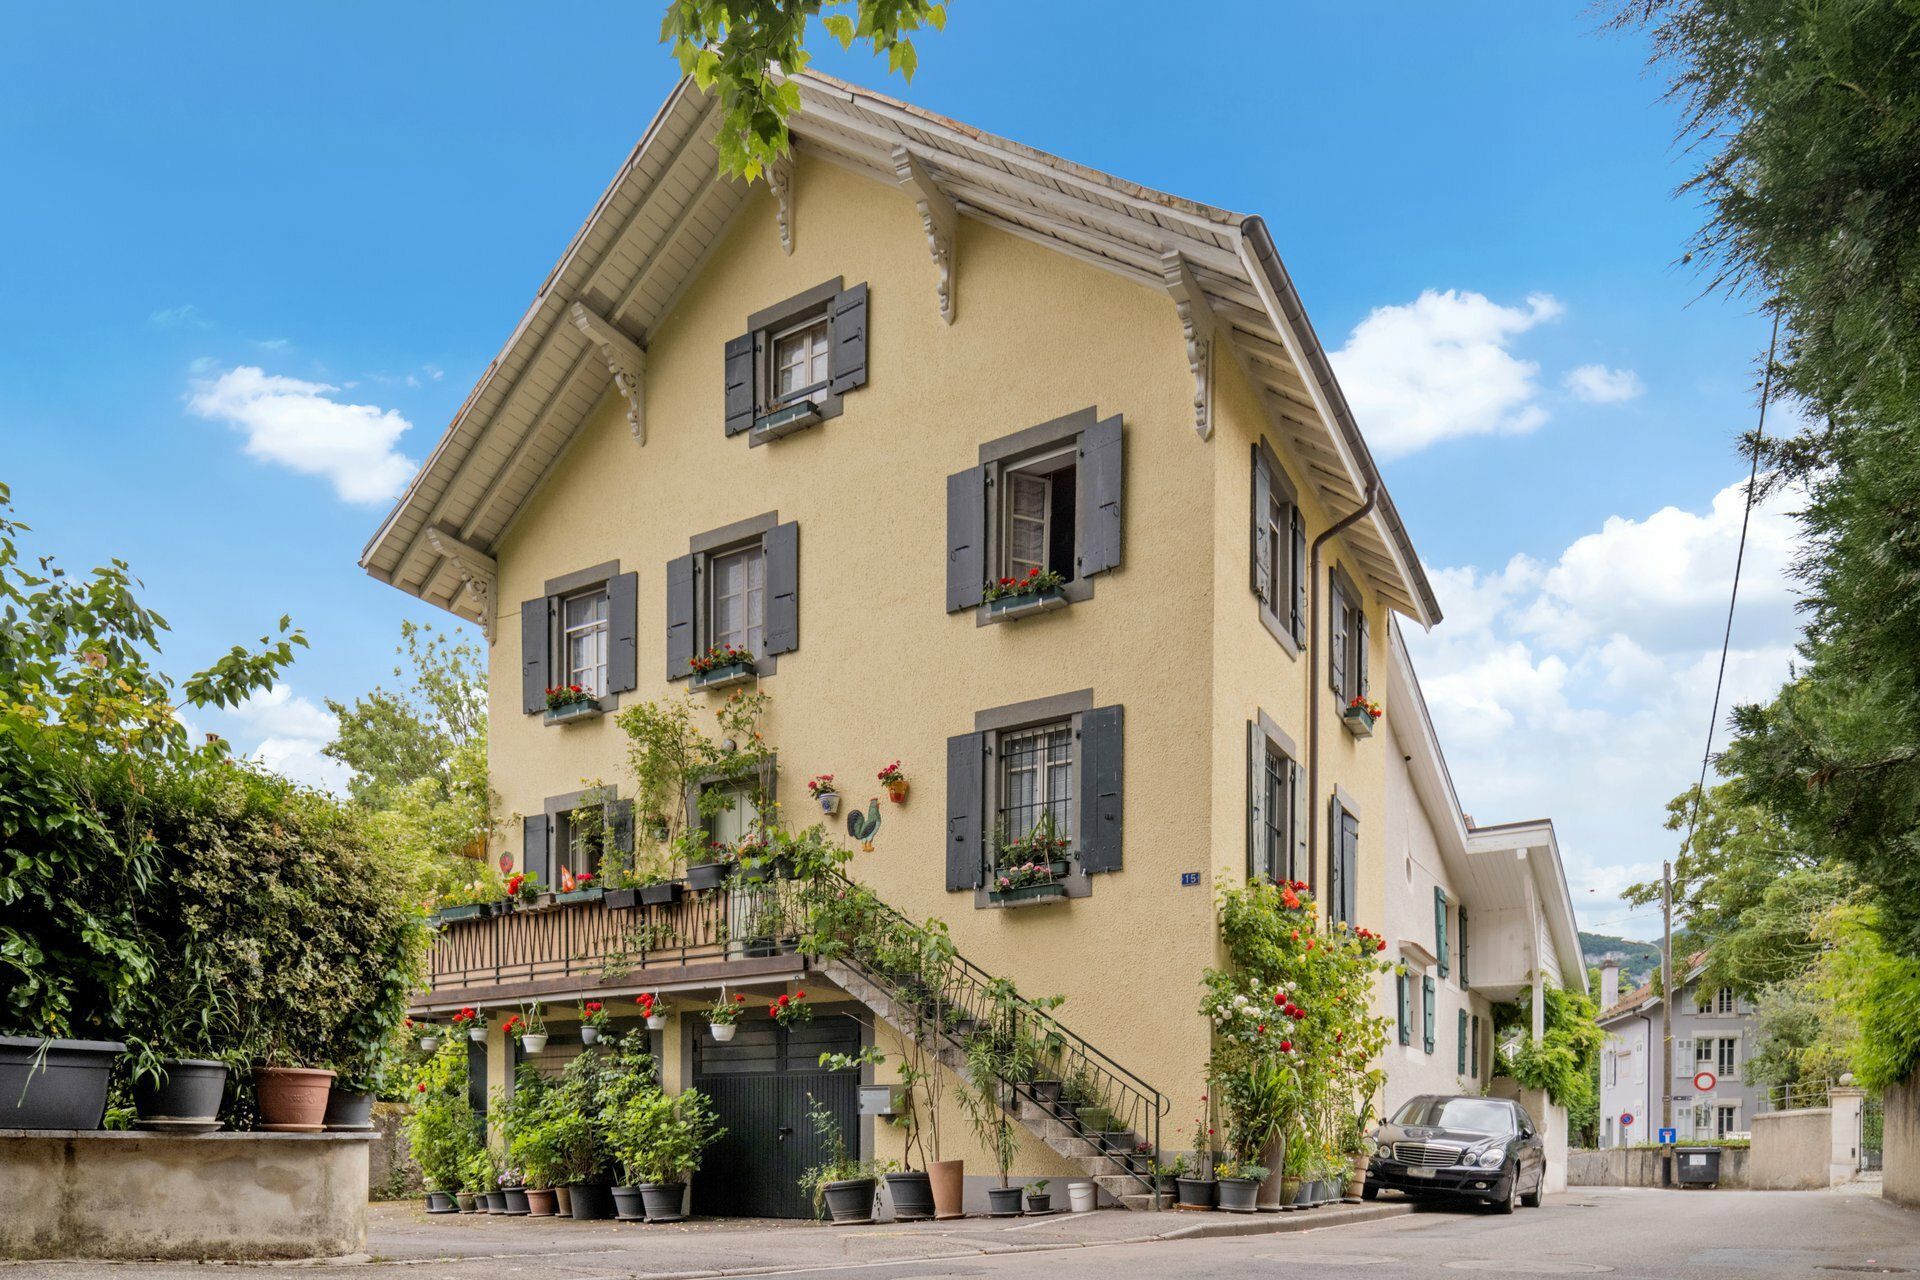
(478, 572)
(626, 361)
(938, 216)
(1201, 328)
(780, 181)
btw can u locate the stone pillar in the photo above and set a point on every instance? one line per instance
(1845, 1105)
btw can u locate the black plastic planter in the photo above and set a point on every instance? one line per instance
(1195, 1193)
(1237, 1195)
(493, 1202)
(1045, 1092)
(1004, 1202)
(591, 1203)
(852, 1200)
(349, 1112)
(441, 1202)
(664, 894)
(64, 1089)
(186, 1099)
(627, 1204)
(621, 899)
(708, 875)
(516, 1201)
(911, 1195)
(663, 1200)
(1040, 1203)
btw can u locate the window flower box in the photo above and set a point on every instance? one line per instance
(622, 899)
(465, 911)
(1360, 715)
(708, 875)
(663, 894)
(1025, 895)
(721, 667)
(784, 421)
(568, 712)
(580, 895)
(1007, 607)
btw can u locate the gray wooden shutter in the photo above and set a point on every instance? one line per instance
(1256, 802)
(1262, 561)
(1473, 1059)
(847, 334)
(1298, 576)
(681, 600)
(536, 848)
(1297, 790)
(1440, 929)
(1102, 771)
(783, 587)
(1337, 637)
(623, 628)
(1102, 476)
(534, 676)
(966, 801)
(1400, 985)
(742, 371)
(1461, 912)
(1334, 879)
(1350, 869)
(1426, 1010)
(966, 537)
(1360, 657)
(1461, 1065)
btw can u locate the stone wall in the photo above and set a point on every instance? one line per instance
(1792, 1150)
(391, 1173)
(220, 1196)
(1900, 1152)
(1640, 1167)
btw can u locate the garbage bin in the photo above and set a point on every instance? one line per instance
(1696, 1166)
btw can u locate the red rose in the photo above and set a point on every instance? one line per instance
(1262, 1028)
(738, 999)
(784, 1001)
(1286, 1046)
(1382, 946)
(421, 1087)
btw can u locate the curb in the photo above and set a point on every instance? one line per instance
(1267, 1224)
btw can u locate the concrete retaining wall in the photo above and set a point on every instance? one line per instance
(1640, 1167)
(1792, 1150)
(391, 1173)
(1552, 1120)
(1900, 1153)
(132, 1196)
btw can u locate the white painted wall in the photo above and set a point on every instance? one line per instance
(1624, 1072)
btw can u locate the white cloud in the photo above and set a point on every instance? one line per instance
(297, 425)
(1440, 367)
(1597, 384)
(1579, 688)
(289, 734)
(184, 316)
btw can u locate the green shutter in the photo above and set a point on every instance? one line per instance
(1440, 927)
(1426, 1010)
(1473, 1056)
(1406, 1023)
(1462, 1067)
(1461, 911)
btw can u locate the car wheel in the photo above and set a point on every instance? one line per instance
(1504, 1205)
(1369, 1192)
(1531, 1199)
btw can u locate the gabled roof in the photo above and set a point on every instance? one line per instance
(649, 236)
(1644, 997)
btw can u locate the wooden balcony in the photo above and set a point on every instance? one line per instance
(740, 933)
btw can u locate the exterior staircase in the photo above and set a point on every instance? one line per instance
(944, 1005)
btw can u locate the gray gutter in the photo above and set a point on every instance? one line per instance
(1264, 252)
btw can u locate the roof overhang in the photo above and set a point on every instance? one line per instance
(649, 236)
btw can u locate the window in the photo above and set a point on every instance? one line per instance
(1276, 824)
(1279, 558)
(1343, 863)
(583, 642)
(734, 818)
(1613, 1068)
(1441, 949)
(581, 630)
(1044, 499)
(738, 607)
(740, 586)
(1038, 514)
(1347, 642)
(1725, 1057)
(1723, 1000)
(800, 360)
(795, 362)
(1726, 1120)
(1036, 781)
(1703, 1053)
(1276, 813)
(585, 835)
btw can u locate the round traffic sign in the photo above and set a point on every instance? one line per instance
(1626, 1119)
(1704, 1081)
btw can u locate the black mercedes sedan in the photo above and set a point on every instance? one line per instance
(1479, 1148)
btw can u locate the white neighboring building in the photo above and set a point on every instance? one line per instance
(1713, 1035)
(1475, 914)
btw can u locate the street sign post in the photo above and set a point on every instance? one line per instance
(1669, 1136)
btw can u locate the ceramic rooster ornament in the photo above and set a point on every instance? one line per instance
(861, 826)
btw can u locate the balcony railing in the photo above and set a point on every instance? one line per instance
(564, 947)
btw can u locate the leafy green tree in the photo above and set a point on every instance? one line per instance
(738, 48)
(1563, 1061)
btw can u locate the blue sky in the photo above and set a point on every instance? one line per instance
(1476, 203)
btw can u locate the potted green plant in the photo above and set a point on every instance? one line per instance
(1239, 1184)
(1165, 1176)
(709, 862)
(721, 666)
(658, 1141)
(653, 1009)
(179, 1095)
(530, 1026)
(1035, 591)
(1038, 1199)
(1195, 1190)
(594, 1021)
(1360, 716)
(570, 702)
(439, 1126)
(992, 1059)
(524, 890)
(841, 1186)
(723, 1016)
(821, 787)
(473, 1023)
(894, 779)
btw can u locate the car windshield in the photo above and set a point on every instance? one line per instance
(1475, 1115)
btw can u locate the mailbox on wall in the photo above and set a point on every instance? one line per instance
(879, 1099)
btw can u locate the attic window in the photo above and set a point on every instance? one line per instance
(796, 360)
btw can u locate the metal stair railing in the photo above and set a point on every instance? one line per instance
(1102, 1103)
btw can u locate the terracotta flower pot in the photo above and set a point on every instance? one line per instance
(563, 1202)
(949, 1190)
(540, 1202)
(292, 1099)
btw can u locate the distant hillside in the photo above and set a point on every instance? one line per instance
(1638, 960)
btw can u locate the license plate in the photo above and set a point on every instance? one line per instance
(1419, 1173)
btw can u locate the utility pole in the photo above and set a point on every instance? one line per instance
(1666, 1014)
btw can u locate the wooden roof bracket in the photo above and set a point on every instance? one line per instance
(626, 361)
(938, 216)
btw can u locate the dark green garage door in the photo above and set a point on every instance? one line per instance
(759, 1084)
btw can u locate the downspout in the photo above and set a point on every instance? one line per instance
(1313, 673)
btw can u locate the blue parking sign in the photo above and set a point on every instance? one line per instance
(1669, 1136)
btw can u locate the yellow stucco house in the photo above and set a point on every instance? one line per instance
(814, 418)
